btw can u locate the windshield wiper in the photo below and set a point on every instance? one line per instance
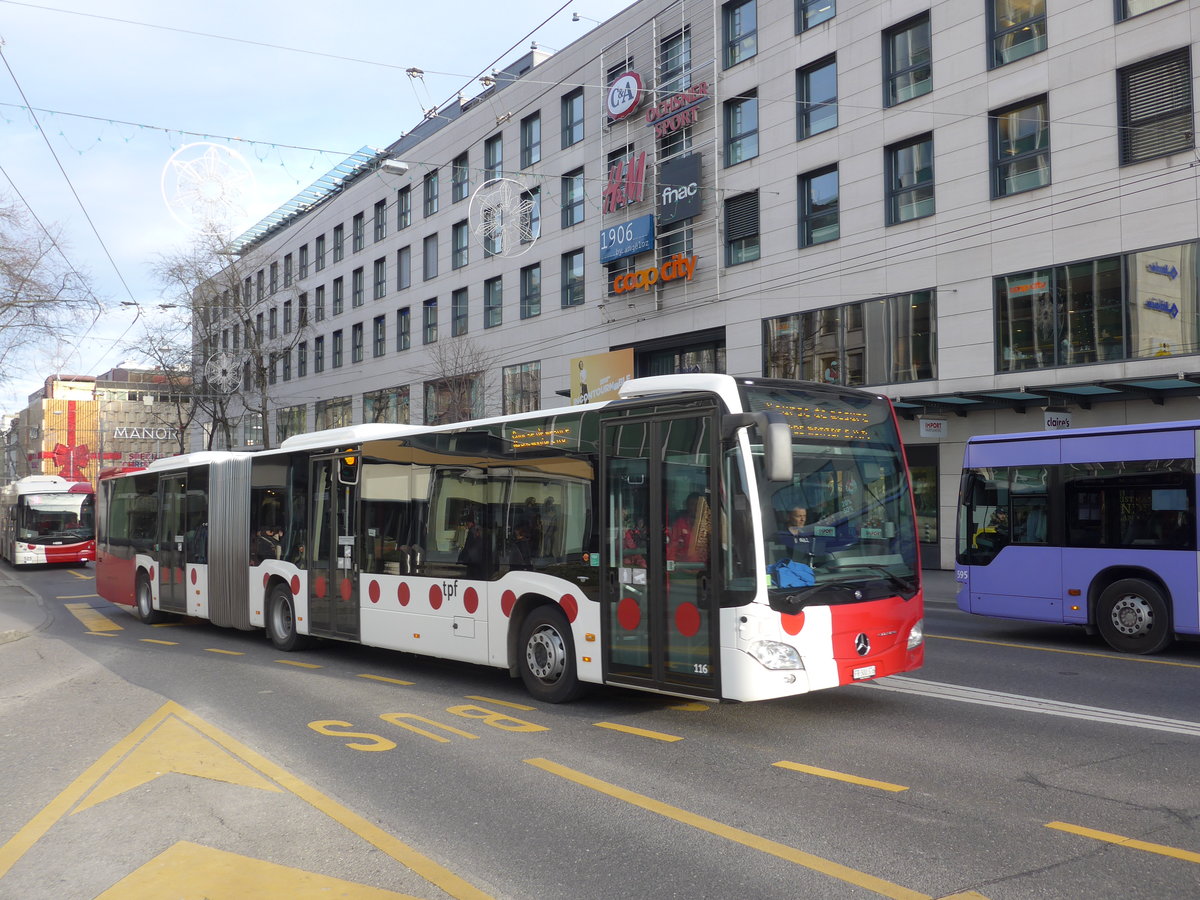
(895, 580)
(792, 600)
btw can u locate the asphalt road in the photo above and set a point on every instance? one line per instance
(1022, 761)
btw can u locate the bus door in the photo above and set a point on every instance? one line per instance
(660, 616)
(333, 556)
(171, 555)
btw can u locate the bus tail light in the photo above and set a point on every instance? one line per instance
(916, 637)
(776, 655)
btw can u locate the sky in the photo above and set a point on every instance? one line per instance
(122, 88)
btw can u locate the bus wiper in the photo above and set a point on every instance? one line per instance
(895, 580)
(792, 600)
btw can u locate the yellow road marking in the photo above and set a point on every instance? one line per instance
(78, 597)
(695, 706)
(221, 875)
(168, 624)
(299, 665)
(745, 838)
(502, 703)
(841, 776)
(1160, 849)
(640, 732)
(101, 633)
(84, 575)
(1122, 657)
(165, 643)
(60, 806)
(386, 680)
(226, 652)
(92, 620)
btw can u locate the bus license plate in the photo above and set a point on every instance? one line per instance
(864, 672)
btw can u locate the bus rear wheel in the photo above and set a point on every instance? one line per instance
(144, 608)
(547, 656)
(281, 620)
(1132, 616)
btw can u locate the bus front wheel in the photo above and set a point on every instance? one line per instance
(144, 608)
(547, 654)
(281, 620)
(1133, 617)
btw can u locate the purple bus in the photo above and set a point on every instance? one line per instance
(1093, 527)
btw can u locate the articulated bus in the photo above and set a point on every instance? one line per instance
(641, 542)
(1093, 527)
(47, 519)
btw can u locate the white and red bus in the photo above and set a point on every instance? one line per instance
(47, 519)
(642, 542)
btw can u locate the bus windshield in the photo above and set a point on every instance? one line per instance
(55, 516)
(845, 519)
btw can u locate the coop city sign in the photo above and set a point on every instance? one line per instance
(678, 266)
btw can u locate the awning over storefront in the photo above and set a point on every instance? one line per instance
(1082, 395)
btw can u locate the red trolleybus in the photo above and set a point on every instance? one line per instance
(642, 542)
(47, 519)
(1093, 527)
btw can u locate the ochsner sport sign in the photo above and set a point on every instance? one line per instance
(678, 266)
(677, 111)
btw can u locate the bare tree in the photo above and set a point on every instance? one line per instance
(229, 302)
(460, 380)
(42, 295)
(166, 344)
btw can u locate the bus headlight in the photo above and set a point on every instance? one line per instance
(916, 637)
(776, 655)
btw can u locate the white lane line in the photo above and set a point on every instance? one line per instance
(961, 694)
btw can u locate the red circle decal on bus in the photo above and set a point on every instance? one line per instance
(193, 576)
(373, 591)
(435, 597)
(471, 600)
(150, 573)
(402, 593)
(792, 623)
(295, 585)
(570, 606)
(347, 589)
(266, 578)
(320, 586)
(629, 614)
(507, 601)
(687, 619)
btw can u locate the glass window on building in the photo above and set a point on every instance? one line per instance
(379, 230)
(460, 239)
(675, 62)
(493, 302)
(740, 21)
(1020, 148)
(819, 207)
(1154, 107)
(522, 387)
(572, 278)
(816, 98)
(357, 287)
(572, 118)
(319, 303)
(531, 140)
(493, 157)
(302, 359)
(290, 421)
(429, 322)
(319, 354)
(335, 413)
(1017, 29)
(356, 342)
(907, 61)
(429, 255)
(403, 329)
(335, 349)
(319, 252)
(531, 291)
(460, 178)
(389, 405)
(339, 296)
(1162, 301)
(909, 173)
(531, 215)
(741, 229)
(1128, 8)
(339, 242)
(358, 231)
(252, 429)
(572, 198)
(459, 308)
(429, 188)
(454, 399)
(380, 279)
(813, 12)
(403, 208)
(403, 268)
(741, 128)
